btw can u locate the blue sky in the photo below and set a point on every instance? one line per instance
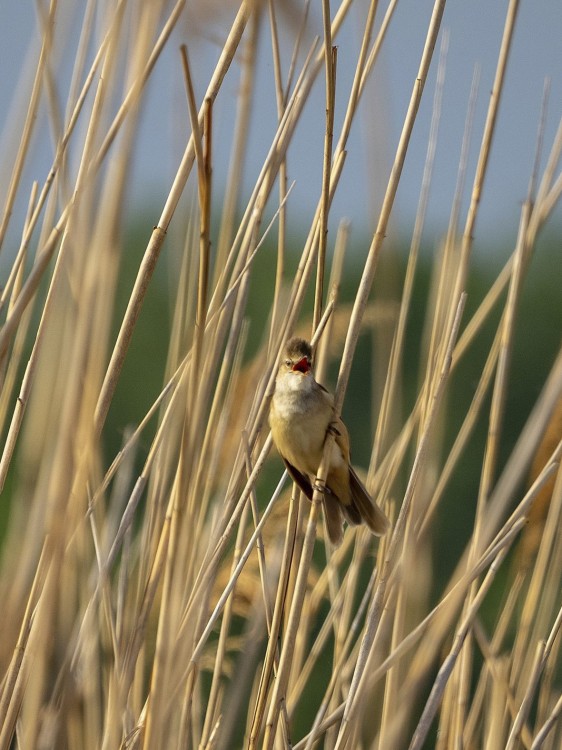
(474, 29)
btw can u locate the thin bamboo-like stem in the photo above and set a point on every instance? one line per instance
(281, 104)
(10, 697)
(260, 549)
(502, 371)
(30, 122)
(330, 57)
(521, 254)
(532, 680)
(378, 238)
(48, 248)
(211, 712)
(548, 186)
(373, 618)
(239, 149)
(391, 383)
(353, 629)
(422, 629)
(388, 405)
(492, 445)
(537, 593)
(498, 675)
(280, 685)
(548, 726)
(320, 642)
(10, 376)
(154, 247)
(463, 435)
(440, 683)
(271, 656)
(490, 652)
(486, 144)
(361, 301)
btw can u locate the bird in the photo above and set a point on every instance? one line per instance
(300, 416)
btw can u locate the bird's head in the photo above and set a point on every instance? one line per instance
(297, 358)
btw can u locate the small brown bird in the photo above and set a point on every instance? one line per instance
(301, 413)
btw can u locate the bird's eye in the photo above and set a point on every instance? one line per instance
(288, 362)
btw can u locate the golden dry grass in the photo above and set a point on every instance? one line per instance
(158, 598)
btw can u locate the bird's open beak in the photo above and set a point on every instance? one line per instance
(302, 366)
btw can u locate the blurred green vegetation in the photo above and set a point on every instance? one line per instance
(538, 335)
(537, 339)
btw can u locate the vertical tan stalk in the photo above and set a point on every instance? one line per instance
(378, 238)
(374, 615)
(154, 247)
(30, 122)
(330, 57)
(271, 655)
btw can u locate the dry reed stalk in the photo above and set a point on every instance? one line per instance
(166, 593)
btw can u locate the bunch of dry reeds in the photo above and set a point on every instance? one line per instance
(157, 597)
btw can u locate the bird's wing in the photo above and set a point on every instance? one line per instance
(341, 435)
(300, 479)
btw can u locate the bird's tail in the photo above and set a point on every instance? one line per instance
(334, 521)
(364, 507)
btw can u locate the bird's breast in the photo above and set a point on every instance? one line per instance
(299, 425)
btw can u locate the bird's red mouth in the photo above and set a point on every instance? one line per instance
(301, 366)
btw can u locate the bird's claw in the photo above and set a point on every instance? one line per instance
(321, 487)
